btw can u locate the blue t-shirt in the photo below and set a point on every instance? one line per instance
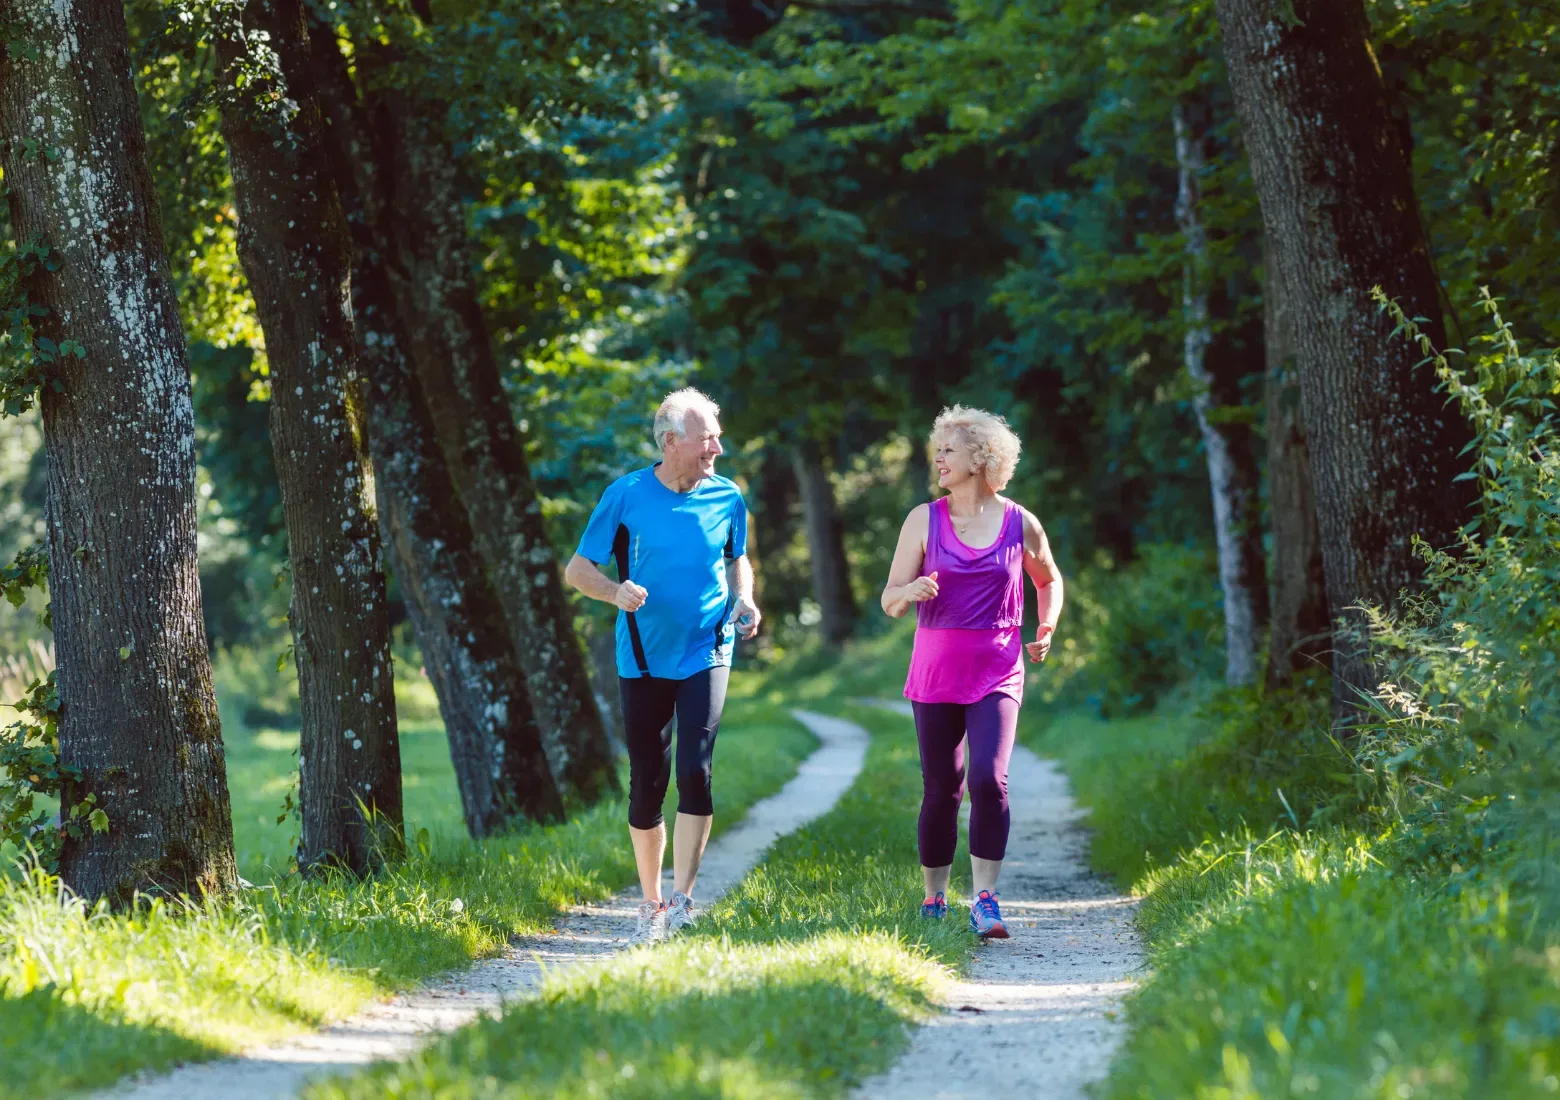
(675, 546)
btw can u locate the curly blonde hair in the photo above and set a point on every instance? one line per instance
(991, 444)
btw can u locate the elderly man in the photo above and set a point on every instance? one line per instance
(678, 534)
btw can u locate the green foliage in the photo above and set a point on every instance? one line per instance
(1135, 633)
(30, 764)
(1484, 146)
(26, 357)
(1390, 924)
(27, 571)
(1470, 699)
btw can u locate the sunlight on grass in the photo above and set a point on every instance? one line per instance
(1322, 961)
(701, 1017)
(800, 982)
(87, 995)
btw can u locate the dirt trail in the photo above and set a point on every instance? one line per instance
(399, 1027)
(1030, 1018)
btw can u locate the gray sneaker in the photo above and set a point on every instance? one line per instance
(650, 927)
(679, 913)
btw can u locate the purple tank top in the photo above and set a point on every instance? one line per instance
(976, 589)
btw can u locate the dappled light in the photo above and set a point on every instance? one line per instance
(460, 459)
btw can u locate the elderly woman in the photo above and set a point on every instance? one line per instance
(961, 560)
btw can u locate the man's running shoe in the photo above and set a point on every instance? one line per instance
(986, 918)
(679, 913)
(650, 927)
(936, 907)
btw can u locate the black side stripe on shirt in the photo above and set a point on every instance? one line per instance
(620, 544)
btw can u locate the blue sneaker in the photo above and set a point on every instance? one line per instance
(935, 907)
(986, 918)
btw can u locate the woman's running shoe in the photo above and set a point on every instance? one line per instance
(679, 913)
(935, 907)
(986, 918)
(650, 927)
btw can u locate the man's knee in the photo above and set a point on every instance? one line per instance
(645, 813)
(646, 793)
(694, 796)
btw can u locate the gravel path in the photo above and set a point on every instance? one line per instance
(399, 1027)
(1030, 1019)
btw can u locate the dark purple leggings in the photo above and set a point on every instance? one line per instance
(941, 728)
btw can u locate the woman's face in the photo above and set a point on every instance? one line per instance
(951, 458)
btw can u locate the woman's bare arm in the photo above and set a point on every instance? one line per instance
(905, 584)
(1047, 578)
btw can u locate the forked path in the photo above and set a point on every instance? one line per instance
(401, 1026)
(1035, 1015)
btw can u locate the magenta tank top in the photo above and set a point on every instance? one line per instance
(976, 589)
(968, 640)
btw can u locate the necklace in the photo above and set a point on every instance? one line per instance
(962, 527)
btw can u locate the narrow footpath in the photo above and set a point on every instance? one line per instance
(1035, 1016)
(401, 1026)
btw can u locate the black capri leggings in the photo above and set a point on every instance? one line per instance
(648, 706)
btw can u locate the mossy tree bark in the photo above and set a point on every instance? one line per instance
(453, 358)
(1301, 635)
(495, 743)
(1339, 207)
(138, 713)
(296, 254)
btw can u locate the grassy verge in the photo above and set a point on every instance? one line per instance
(1293, 954)
(263, 770)
(87, 995)
(799, 983)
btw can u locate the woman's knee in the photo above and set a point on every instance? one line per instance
(988, 787)
(942, 790)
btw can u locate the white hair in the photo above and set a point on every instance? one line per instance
(992, 446)
(672, 416)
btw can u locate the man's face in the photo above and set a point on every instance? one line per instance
(699, 446)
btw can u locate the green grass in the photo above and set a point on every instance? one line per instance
(87, 995)
(1293, 953)
(799, 983)
(1321, 965)
(1120, 770)
(263, 770)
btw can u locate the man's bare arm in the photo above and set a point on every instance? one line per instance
(586, 577)
(739, 576)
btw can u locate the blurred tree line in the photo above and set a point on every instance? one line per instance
(435, 263)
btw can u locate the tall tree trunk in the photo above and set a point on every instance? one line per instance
(1301, 635)
(138, 713)
(1338, 204)
(826, 546)
(1232, 468)
(601, 645)
(773, 531)
(293, 242)
(453, 357)
(501, 768)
